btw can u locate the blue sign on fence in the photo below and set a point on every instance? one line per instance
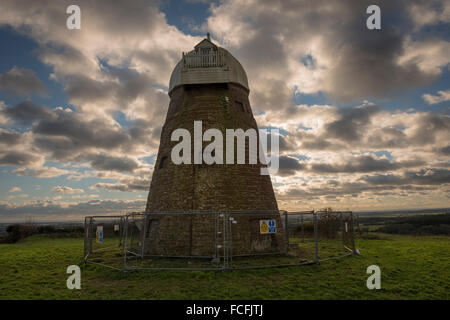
(99, 234)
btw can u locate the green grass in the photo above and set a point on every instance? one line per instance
(411, 267)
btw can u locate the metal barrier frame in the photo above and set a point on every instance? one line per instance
(223, 221)
(88, 231)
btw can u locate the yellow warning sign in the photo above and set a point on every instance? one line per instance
(263, 228)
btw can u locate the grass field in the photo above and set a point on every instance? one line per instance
(411, 268)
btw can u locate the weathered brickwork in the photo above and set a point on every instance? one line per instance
(208, 187)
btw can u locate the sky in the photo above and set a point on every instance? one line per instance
(364, 113)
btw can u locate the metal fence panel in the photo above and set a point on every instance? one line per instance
(217, 240)
(103, 240)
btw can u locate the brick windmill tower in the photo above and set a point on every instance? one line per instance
(208, 84)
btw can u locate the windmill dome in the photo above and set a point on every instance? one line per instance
(206, 64)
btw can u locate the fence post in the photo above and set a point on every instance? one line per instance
(343, 229)
(86, 235)
(316, 238)
(230, 241)
(353, 233)
(357, 224)
(286, 230)
(224, 230)
(121, 224)
(144, 231)
(125, 236)
(91, 231)
(226, 239)
(303, 231)
(216, 217)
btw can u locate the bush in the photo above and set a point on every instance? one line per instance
(308, 228)
(21, 231)
(419, 225)
(14, 233)
(328, 224)
(46, 229)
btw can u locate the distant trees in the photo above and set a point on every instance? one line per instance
(23, 230)
(431, 224)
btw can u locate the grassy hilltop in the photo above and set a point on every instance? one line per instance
(411, 268)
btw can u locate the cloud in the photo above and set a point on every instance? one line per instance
(27, 112)
(429, 13)
(352, 121)
(66, 190)
(54, 210)
(116, 76)
(125, 184)
(21, 82)
(365, 127)
(113, 187)
(9, 137)
(41, 172)
(66, 134)
(365, 163)
(429, 176)
(429, 127)
(18, 158)
(121, 164)
(289, 166)
(15, 189)
(444, 150)
(324, 46)
(440, 97)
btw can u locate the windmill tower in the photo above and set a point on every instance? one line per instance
(208, 84)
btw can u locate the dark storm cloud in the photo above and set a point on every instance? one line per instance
(355, 63)
(351, 123)
(80, 133)
(367, 67)
(109, 163)
(21, 82)
(289, 166)
(350, 129)
(122, 85)
(444, 151)
(9, 137)
(348, 188)
(82, 89)
(364, 127)
(366, 62)
(353, 189)
(388, 138)
(286, 143)
(18, 158)
(321, 144)
(363, 164)
(61, 148)
(68, 135)
(428, 126)
(422, 177)
(145, 132)
(27, 112)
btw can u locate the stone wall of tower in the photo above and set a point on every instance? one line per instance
(208, 187)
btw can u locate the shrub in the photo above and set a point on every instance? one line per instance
(328, 224)
(46, 229)
(14, 233)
